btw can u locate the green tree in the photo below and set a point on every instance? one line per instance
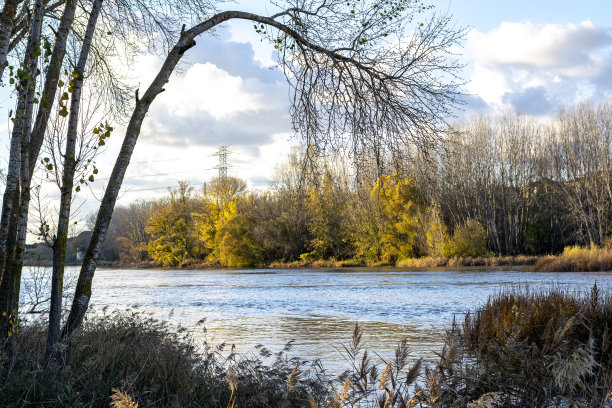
(327, 205)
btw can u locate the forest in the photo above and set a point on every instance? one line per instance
(504, 185)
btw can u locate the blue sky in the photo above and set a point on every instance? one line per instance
(533, 56)
(486, 15)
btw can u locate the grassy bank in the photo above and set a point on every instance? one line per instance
(425, 262)
(560, 338)
(577, 259)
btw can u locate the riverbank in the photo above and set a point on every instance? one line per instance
(426, 262)
(144, 362)
(573, 259)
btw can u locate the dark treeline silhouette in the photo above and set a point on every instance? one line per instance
(503, 185)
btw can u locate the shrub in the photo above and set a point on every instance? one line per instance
(469, 240)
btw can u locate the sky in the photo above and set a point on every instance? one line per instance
(533, 56)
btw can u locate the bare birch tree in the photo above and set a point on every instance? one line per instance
(362, 73)
(129, 20)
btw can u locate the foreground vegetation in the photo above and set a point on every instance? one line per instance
(560, 338)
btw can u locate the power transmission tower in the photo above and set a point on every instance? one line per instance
(222, 152)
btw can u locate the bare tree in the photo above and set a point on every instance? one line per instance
(358, 76)
(37, 81)
(67, 185)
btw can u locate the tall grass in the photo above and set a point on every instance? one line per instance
(436, 262)
(577, 259)
(131, 360)
(531, 349)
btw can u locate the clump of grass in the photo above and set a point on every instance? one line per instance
(155, 364)
(306, 263)
(120, 399)
(530, 349)
(577, 259)
(426, 262)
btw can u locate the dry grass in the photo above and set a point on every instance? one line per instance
(426, 262)
(120, 399)
(153, 364)
(577, 259)
(530, 349)
(431, 262)
(321, 263)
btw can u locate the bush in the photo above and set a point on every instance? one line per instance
(469, 240)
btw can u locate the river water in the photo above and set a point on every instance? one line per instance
(317, 308)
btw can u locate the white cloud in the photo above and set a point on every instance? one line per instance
(204, 88)
(537, 68)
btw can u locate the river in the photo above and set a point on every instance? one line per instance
(317, 308)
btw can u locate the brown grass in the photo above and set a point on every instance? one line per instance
(154, 365)
(577, 259)
(430, 262)
(521, 349)
(322, 263)
(531, 349)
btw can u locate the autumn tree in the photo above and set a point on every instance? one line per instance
(391, 228)
(171, 226)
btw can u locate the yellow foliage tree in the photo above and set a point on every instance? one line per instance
(391, 232)
(171, 228)
(437, 238)
(327, 222)
(225, 227)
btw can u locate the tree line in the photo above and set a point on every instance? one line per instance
(500, 185)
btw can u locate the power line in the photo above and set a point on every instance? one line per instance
(222, 152)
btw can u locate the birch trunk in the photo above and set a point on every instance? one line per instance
(82, 293)
(51, 80)
(12, 220)
(7, 22)
(37, 135)
(70, 163)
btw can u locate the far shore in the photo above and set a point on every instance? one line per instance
(573, 259)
